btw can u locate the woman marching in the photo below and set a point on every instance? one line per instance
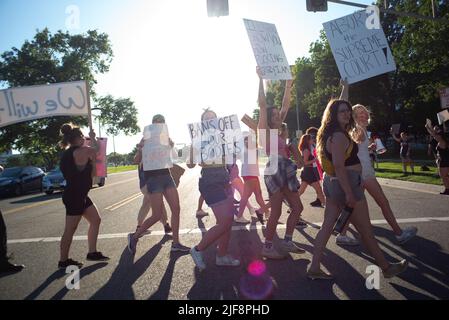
(342, 187)
(405, 151)
(160, 185)
(215, 188)
(442, 151)
(359, 134)
(282, 183)
(78, 167)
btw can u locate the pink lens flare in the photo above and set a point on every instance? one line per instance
(257, 268)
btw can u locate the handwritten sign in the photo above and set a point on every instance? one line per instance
(250, 122)
(157, 151)
(36, 102)
(216, 139)
(444, 98)
(101, 156)
(443, 116)
(268, 51)
(360, 53)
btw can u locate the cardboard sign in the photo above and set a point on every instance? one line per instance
(157, 151)
(360, 53)
(267, 49)
(101, 163)
(250, 122)
(36, 102)
(444, 98)
(216, 140)
(443, 116)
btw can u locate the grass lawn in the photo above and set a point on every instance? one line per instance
(393, 170)
(121, 169)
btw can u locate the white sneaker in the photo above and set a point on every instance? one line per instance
(252, 211)
(241, 220)
(198, 259)
(226, 261)
(201, 213)
(272, 253)
(346, 241)
(290, 246)
(407, 234)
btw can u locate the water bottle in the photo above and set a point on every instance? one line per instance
(343, 219)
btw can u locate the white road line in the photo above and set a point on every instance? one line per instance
(248, 227)
(122, 202)
(407, 188)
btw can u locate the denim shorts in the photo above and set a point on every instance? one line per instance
(215, 186)
(160, 183)
(333, 190)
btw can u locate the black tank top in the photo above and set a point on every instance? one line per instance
(443, 154)
(77, 181)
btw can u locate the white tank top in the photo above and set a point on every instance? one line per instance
(363, 154)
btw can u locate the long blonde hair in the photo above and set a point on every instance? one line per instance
(358, 134)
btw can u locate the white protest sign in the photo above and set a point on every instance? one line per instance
(268, 51)
(157, 151)
(36, 102)
(444, 98)
(443, 116)
(216, 139)
(360, 53)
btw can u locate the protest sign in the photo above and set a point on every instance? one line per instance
(444, 98)
(101, 156)
(36, 102)
(250, 122)
(267, 49)
(216, 140)
(360, 52)
(157, 151)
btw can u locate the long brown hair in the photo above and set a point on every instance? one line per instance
(330, 125)
(69, 133)
(304, 144)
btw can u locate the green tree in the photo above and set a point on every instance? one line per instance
(118, 115)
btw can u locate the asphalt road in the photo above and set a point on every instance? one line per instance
(35, 223)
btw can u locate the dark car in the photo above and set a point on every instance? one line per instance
(53, 180)
(19, 180)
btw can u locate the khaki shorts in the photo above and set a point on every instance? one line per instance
(333, 190)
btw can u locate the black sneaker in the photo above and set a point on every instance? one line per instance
(317, 203)
(168, 229)
(69, 262)
(236, 201)
(259, 215)
(96, 256)
(10, 268)
(301, 224)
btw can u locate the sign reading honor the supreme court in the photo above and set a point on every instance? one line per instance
(216, 140)
(360, 52)
(267, 48)
(36, 102)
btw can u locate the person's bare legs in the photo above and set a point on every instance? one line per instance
(223, 241)
(164, 217)
(276, 211)
(145, 207)
(259, 198)
(224, 214)
(302, 188)
(156, 200)
(172, 197)
(237, 183)
(296, 209)
(361, 221)
(93, 217)
(331, 213)
(247, 192)
(71, 223)
(319, 192)
(200, 203)
(444, 174)
(375, 190)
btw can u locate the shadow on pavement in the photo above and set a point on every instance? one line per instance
(119, 285)
(61, 274)
(38, 198)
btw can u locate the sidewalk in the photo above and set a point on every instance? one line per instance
(420, 187)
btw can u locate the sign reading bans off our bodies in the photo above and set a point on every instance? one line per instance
(216, 139)
(36, 102)
(267, 48)
(360, 53)
(157, 151)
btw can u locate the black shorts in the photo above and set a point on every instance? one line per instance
(75, 205)
(310, 175)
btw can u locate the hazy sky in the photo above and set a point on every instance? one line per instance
(169, 57)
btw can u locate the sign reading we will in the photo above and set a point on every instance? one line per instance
(268, 51)
(157, 150)
(35, 102)
(360, 53)
(216, 139)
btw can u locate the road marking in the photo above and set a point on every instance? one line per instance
(59, 199)
(407, 188)
(248, 227)
(123, 202)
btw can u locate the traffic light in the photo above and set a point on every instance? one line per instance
(217, 8)
(316, 5)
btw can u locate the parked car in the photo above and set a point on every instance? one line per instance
(53, 180)
(20, 180)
